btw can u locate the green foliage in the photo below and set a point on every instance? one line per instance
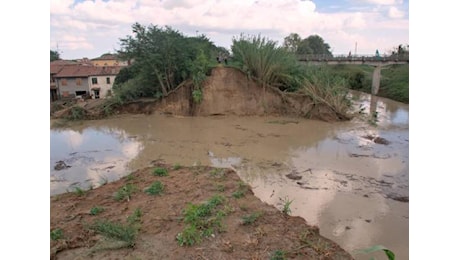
(241, 191)
(376, 248)
(135, 217)
(76, 113)
(95, 210)
(286, 205)
(118, 231)
(163, 58)
(313, 44)
(202, 221)
(177, 166)
(155, 189)
(160, 172)
(327, 89)
(56, 234)
(189, 236)
(394, 83)
(197, 95)
(278, 255)
(250, 219)
(267, 63)
(54, 55)
(125, 192)
(79, 191)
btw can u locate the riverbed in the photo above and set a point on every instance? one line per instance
(349, 178)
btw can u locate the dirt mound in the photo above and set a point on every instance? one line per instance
(228, 91)
(102, 224)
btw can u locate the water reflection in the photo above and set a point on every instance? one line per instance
(340, 177)
(89, 157)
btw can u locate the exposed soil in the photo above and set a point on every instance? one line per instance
(162, 219)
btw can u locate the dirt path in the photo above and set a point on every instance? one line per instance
(210, 211)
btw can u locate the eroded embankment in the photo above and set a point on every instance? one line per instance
(228, 91)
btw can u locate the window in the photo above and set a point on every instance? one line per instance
(64, 82)
(78, 81)
(107, 80)
(94, 81)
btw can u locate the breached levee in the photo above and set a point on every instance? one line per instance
(228, 91)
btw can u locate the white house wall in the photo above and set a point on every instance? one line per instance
(102, 84)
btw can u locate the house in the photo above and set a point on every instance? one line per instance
(55, 67)
(108, 59)
(85, 81)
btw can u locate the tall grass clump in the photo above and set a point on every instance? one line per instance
(327, 89)
(263, 60)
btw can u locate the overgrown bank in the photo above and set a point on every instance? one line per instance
(394, 82)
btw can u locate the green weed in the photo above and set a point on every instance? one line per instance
(96, 210)
(202, 221)
(117, 231)
(278, 255)
(160, 172)
(286, 205)
(56, 234)
(155, 189)
(135, 217)
(177, 166)
(390, 255)
(250, 219)
(79, 191)
(125, 192)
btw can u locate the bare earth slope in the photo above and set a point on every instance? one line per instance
(161, 219)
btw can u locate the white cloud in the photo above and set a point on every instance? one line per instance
(383, 2)
(98, 25)
(393, 12)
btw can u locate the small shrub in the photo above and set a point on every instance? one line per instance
(278, 255)
(76, 113)
(96, 210)
(125, 192)
(177, 166)
(135, 217)
(126, 233)
(56, 234)
(286, 206)
(250, 219)
(160, 172)
(202, 219)
(79, 191)
(155, 189)
(197, 95)
(238, 194)
(189, 237)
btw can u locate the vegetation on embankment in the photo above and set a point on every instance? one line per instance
(394, 82)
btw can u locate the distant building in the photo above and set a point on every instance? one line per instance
(108, 59)
(85, 81)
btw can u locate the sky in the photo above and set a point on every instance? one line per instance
(90, 28)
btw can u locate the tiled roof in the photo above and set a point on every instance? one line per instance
(86, 71)
(107, 56)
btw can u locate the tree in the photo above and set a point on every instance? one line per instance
(314, 44)
(292, 42)
(163, 58)
(54, 55)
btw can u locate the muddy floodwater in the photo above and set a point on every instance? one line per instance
(349, 178)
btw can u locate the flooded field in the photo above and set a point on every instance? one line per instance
(351, 178)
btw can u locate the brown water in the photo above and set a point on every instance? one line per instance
(353, 188)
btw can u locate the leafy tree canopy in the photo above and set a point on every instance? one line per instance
(163, 58)
(313, 44)
(54, 55)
